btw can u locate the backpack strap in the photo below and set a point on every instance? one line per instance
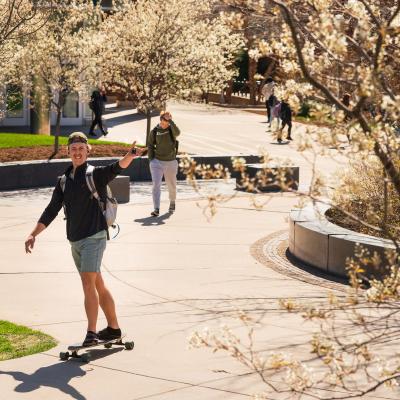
(171, 135)
(63, 180)
(90, 182)
(92, 187)
(174, 141)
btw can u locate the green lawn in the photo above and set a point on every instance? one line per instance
(8, 140)
(18, 341)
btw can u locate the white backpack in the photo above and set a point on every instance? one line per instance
(109, 209)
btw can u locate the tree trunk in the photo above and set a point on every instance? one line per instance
(40, 108)
(57, 132)
(269, 70)
(228, 92)
(148, 125)
(252, 81)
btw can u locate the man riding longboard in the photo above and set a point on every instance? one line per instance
(87, 229)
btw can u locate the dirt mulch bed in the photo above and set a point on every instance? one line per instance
(339, 218)
(44, 152)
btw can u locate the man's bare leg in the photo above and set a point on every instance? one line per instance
(107, 303)
(91, 298)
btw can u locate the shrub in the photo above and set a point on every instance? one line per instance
(361, 192)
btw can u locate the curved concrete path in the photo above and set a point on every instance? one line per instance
(170, 276)
(213, 130)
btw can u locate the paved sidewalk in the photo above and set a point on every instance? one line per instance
(212, 130)
(170, 276)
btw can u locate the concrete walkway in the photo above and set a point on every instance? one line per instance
(170, 276)
(212, 130)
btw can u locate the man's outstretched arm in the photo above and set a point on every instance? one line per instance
(46, 218)
(30, 241)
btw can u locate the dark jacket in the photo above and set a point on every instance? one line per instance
(84, 216)
(286, 112)
(97, 102)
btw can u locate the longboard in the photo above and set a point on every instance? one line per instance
(85, 357)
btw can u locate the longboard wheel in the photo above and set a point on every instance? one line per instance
(85, 357)
(129, 345)
(64, 355)
(108, 345)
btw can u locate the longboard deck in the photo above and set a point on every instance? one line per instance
(86, 356)
(79, 346)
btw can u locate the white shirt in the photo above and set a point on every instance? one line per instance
(268, 90)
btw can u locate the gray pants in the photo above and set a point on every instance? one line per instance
(169, 169)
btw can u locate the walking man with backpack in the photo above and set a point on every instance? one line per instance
(162, 151)
(97, 105)
(286, 117)
(85, 210)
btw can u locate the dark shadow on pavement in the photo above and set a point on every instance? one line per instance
(314, 271)
(153, 221)
(58, 375)
(109, 121)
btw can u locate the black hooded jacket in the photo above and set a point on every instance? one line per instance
(83, 213)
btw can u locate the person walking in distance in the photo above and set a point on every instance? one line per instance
(268, 91)
(97, 105)
(346, 101)
(286, 117)
(87, 229)
(162, 151)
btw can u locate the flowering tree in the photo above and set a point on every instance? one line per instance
(18, 20)
(159, 49)
(62, 55)
(340, 46)
(246, 18)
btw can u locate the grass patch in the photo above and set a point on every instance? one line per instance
(313, 121)
(13, 140)
(18, 341)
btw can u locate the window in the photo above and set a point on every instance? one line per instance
(71, 106)
(15, 102)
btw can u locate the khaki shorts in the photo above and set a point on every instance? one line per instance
(88, 252)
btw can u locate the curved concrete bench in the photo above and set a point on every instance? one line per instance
(317, 242)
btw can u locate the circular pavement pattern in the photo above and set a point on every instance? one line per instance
(272, 251)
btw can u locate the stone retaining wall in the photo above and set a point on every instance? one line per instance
(323, 245)
(41, 173)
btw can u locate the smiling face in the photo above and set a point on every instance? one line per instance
(164, 123)
(79, 153)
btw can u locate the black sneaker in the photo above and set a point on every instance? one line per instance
(171, 207)
(91, 339)
(289, 138)
(279, 140)
(109, 334)
(155, 213)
